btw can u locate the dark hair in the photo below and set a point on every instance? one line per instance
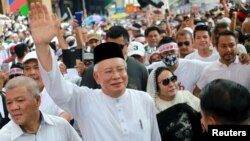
(158, 71)
(152, 28)
(226, 100)
(220, 25)
(166, 40)
(116, 32)
(20, 49)
(202, 28)
(224, 33)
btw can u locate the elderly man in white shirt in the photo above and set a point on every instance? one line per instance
(112, 113)
(28, 122)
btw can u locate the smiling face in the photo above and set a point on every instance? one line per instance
(31, 69)
(111, 74)
(166, 92)
(202, 40)
(22, 105)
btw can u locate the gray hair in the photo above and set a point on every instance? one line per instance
(96, 66)
(23, 81)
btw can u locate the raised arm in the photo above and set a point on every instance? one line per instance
(226, 9)
(43, 28)
(77, 29)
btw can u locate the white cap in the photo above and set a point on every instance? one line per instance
(189, 30)
(224, 20)
(29, 56)
(136, 48)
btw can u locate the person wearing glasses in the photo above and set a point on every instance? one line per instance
(188, 71)
(138, 81)
(112, 113)
(177, 111)
(184, 40)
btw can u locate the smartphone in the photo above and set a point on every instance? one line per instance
(78, 16)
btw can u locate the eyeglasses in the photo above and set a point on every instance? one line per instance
(166, 81)
(186, 43)
(110, 72)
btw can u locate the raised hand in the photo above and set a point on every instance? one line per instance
(43, 25)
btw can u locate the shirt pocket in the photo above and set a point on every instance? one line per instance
(145, 129)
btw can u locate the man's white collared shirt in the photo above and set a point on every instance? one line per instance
(52, 128)
(131, 117)
(236, 72)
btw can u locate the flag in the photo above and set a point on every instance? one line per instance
(19, 5)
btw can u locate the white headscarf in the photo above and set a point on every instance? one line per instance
(181, 96)
(151, 85)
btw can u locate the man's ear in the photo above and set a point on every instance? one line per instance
(96, 77)
(38, 100)
(212, 121)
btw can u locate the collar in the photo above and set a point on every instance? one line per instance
(236, 61)
(43, 91)
(108, 99)
(16, 130)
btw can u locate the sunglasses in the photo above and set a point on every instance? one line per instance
(166, 81)
(186, 43)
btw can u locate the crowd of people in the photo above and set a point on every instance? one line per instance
(164, 76)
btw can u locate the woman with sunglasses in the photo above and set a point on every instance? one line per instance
(177, 111)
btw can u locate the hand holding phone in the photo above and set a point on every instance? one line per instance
(78, 16)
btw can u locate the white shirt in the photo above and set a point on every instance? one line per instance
(235, 72)
(52, 128)
(195, 55)
(241, 48)
(3, 55)
(1, 107)
(48, 105)
(188, 73)
(131, 117)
